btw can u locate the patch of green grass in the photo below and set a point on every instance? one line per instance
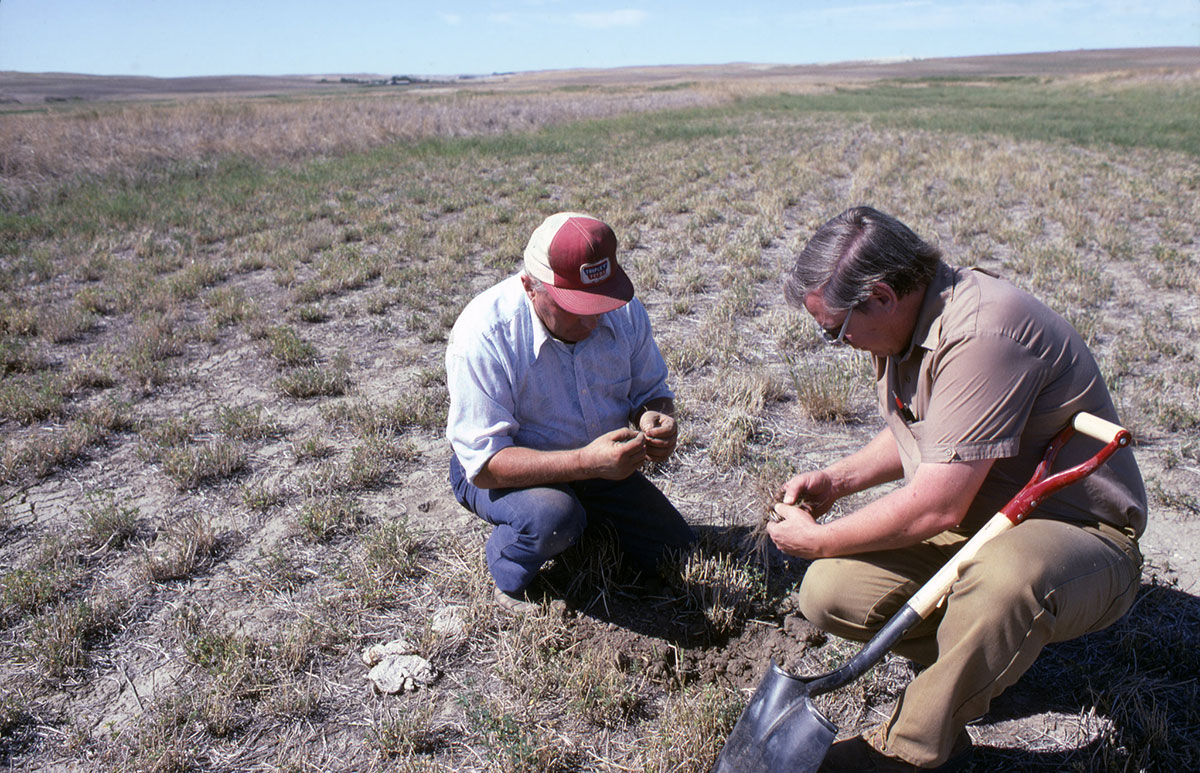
(18, 229)
(372, 462)
(288, 348)
(326, 516)
(18, 357)
(338, 272)
(317, 380)
(17, 319)
(312, 448)
(198, 275)
(167, 202)
(172, 431)
(247, 424)
(390, 553)
(156, 339)
(96, 371)
(407, 732)
(159, 335)
(514, 744)
(28, 400)
(195, 464)
(107, 524)
(60, 639)
(186, 545)
(424, 408)
(1160, 116)
(229, 306)
(26, 591)
(314, 314)
(830, 390)
(601, 691)
(263, 495)
(238, 663)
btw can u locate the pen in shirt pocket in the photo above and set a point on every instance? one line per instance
(905, 413)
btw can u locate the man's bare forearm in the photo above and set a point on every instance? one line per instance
(936, 499)
(614, 455)
(519, 467)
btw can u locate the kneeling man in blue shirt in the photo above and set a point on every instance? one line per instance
(558, 395)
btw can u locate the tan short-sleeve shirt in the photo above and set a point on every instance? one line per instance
(993, 373)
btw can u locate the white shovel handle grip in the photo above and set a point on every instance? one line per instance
(1094, 426)
(925, 600)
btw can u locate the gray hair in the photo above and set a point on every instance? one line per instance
(853, 252)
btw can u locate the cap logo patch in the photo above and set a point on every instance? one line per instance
(595, 273)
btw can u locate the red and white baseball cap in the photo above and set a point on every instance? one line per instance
(575, 257)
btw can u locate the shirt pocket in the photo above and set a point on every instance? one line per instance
(611, 390)
(908, 442)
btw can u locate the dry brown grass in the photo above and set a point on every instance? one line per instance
(246, 361)
(39, 151)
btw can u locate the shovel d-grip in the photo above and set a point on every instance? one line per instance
(781, 730)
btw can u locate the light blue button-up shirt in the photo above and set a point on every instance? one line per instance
(512, 383)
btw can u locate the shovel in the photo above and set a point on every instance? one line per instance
(780, 728)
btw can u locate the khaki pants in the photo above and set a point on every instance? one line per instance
(1041, 582)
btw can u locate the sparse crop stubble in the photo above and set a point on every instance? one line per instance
(221, 362)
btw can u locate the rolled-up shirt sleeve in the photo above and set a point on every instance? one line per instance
(481, 420)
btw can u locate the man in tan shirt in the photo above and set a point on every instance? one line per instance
(974, 377)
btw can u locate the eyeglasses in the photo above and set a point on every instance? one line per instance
(836, 337)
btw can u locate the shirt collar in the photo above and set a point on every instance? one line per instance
(541, 334)
(928, 329)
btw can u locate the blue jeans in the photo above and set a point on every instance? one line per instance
(533, 525)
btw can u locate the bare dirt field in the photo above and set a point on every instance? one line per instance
(224, 476)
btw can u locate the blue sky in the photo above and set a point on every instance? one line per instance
(444, 37)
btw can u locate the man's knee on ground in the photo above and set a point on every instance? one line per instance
(821, 595)
(558, 522)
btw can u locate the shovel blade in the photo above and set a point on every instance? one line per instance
(779, 730)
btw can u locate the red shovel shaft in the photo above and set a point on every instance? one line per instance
(1040, 486)
(781, 729)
